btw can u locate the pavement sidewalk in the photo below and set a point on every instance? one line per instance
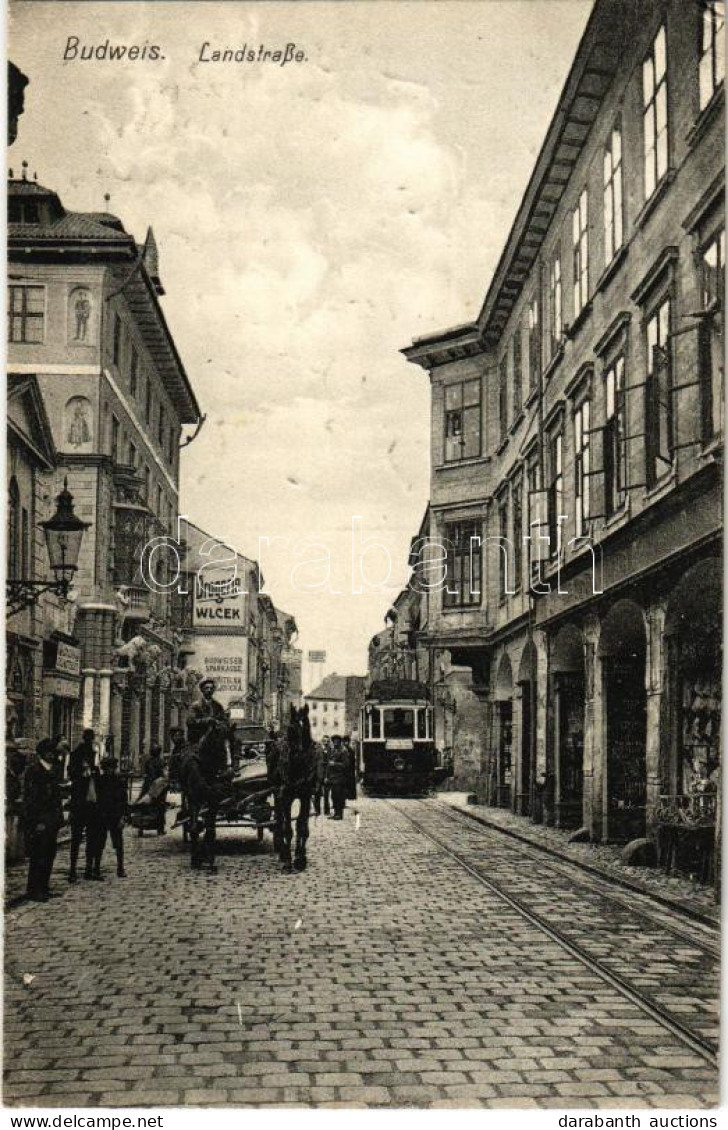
(605, 859)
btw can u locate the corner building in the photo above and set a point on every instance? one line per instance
(85, 323)
(585, 407)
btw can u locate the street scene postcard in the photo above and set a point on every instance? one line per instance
(363, 554)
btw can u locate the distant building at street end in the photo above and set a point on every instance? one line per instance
(334, 706)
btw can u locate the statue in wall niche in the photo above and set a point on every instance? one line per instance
(80, 311)
(78, 414)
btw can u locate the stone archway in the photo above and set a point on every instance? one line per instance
(623, 651)
(504, 726)
(567, 671)
(526, 754)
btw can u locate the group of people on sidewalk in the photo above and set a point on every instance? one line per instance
(335, 776)
(97, 810)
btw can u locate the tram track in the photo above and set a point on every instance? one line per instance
(605, 956)
(590, 881)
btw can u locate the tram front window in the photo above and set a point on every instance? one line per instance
(399, 723)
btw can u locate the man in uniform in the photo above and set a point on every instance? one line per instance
(42, 817)
(337, 772)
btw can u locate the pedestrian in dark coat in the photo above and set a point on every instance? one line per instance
(337, 773)
(42, 817)
(202, 798)
(321, 788)
(177, 755)
(112, 812)
(80, 769)
(351, 779)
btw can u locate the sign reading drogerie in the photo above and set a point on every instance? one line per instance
(219, 599)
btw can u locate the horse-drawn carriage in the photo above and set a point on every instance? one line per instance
(258, 790)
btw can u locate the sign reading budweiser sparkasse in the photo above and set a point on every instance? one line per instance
(219, 599)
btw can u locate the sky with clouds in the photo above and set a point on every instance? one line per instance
(311, 221)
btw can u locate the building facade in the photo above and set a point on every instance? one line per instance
(85, 322)
(577, 443)
(334, 706)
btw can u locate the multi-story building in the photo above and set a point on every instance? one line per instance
(85, 321)
(577, 441)
(334, 705)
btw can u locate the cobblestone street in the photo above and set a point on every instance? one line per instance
(387, 975)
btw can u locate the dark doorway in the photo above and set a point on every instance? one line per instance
(626, 743)
(505, 754)
(524, 797)
(570, 689)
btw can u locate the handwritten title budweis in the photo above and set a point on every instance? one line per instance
(252, 54)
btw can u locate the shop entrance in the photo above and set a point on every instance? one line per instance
(623, 647)
(527, 744)
(504, 748)
(567, 666)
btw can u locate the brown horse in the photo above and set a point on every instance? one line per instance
(291, 773)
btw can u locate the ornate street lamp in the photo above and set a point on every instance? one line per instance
(63, 535)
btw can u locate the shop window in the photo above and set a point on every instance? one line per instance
(26, 314)
(580, 232)
(613, 205)
(462, 420)
(615, 446)
(582, 451)
(711, 67)
(710, 331)
(658, 398)
(654, 113)
(463, 565)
